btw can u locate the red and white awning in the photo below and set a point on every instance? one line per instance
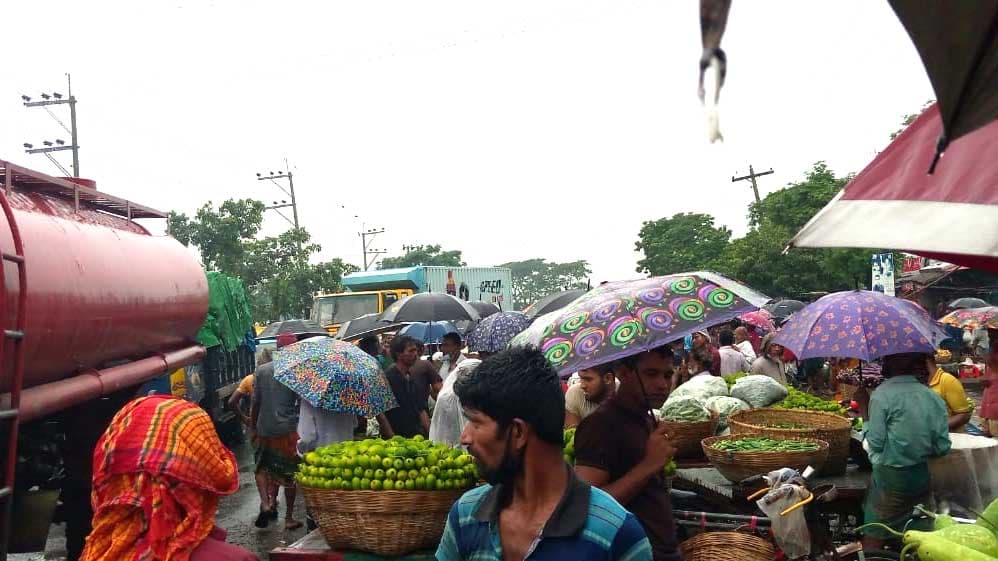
(951, 215)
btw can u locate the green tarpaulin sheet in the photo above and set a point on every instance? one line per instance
(229, 318)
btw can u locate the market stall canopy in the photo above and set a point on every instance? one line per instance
(620, 319)
(299, 327)
(958, 45)
(951, 215)
(860, 324)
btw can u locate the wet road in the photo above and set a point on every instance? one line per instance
(236, 514)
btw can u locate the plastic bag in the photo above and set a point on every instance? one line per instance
(724, 406)
(790, 531)
(702, 388)
(684, 410)
(758, 390)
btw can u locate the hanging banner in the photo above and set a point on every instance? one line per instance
(882, 265)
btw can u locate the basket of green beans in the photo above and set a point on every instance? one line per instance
(738, 457)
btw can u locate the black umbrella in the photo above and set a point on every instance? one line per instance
(297, 327)
(485, 309)
(553, 302)
(429, 306)
(782, 309)
(964, 303)
(958, 44)
(364, 326)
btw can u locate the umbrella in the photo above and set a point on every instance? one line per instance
(759, 318)
(958, 45)
(620, 319)
(429, 306)
(552, 302)
(366, 325)
(782, 309)
(860, 324)
(484, 309)
(300, 327)
(430, 333)
(963, 303)
(951, 215)
(494, 332)
(985, 315)
(334, 375)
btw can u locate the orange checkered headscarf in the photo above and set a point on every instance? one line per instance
(159, 471)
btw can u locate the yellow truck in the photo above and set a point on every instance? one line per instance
(371, 292)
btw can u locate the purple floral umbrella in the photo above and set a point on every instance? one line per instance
(620, 319)
(860, 324)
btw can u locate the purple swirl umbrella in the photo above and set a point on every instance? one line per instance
(860, 324)
(620, 319)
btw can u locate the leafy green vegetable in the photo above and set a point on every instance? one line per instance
(803, 400)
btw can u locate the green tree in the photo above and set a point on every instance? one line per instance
(535, 278)
(910, 118)
(277, 270)
(424, 255)
(685, 242)
(792, 206)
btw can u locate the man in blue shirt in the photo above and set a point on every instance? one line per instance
(534, 507)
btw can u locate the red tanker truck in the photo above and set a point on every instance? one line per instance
(91, 306)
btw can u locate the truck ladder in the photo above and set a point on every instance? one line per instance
(11, 340)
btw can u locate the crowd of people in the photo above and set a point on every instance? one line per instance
(509, 409)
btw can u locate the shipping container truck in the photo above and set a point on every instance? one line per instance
(91, 307)
(369, 292)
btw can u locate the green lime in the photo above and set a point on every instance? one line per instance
(418, 438)
(432, 458)
(379, 474)
(431, 482)
(386, 463)
(365, 483)
(355, 484)
(347, 473)
(410, 485)
(369, 473)
(420, 462)
(398, 464)
(312, 458)
(400, 485)
(390, 474)
(440, 485)
(420, 483)
(463, 460)
(375, 485)
(402, 475)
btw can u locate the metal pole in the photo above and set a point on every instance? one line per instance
(755, 185)
(363, 245)
(294, 204)
(72, 128)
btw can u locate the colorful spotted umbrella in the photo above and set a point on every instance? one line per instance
(495, 332)
(973, 317)
(860, 324)
(334, 375)
(760, 319)
(620, 319)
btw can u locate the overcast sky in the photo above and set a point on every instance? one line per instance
(508, 130)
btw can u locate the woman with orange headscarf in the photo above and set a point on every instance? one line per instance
(159, 471)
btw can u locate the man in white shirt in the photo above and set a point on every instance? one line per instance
(451, 346)
(744, 344)
(732, 359)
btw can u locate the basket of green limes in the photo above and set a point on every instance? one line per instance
(387, 497)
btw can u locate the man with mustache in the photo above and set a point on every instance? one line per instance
(533, 506)
(622, 449)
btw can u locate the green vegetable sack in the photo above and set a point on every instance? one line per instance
(684, 410)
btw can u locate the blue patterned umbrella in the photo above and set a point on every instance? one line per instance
(621, 319)
(494, 333)
(334, 375)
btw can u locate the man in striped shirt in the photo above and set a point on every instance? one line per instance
(534, 507)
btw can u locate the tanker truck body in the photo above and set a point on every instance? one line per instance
(91, 307)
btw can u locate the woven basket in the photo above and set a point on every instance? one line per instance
(727, 546)
(381, 522)
(736, 466)
(848, 391)
(834, 429)
(687, 436)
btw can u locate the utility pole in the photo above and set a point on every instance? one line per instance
(751, 177)
(365, 245)
(290, 191)
(56, 98)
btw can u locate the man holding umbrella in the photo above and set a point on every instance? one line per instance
(412, 388)
(622, 450)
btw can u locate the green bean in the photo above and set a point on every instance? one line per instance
(764, 444)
